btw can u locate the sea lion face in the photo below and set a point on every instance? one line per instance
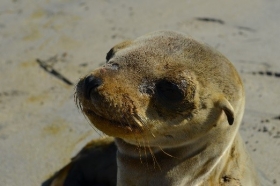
(149, 90)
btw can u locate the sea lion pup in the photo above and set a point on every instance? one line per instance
(174, 107)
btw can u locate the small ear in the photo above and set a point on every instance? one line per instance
(225, 105)
(117, 47)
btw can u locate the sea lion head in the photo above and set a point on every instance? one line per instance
(164, 88)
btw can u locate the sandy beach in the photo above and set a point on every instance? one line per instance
(47, 45)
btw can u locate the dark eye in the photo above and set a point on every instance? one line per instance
(112, 65)
(169, 92)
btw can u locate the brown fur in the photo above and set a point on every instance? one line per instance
(174, 106)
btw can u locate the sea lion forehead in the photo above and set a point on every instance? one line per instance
(163, 38)
(164, 42)
(155, 50)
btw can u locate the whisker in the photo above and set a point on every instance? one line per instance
(137, 140)
(80, 108)
(139, 150)
(92, 126)
(167, 153)
(154, 158)
(138, 118)
(127, 122)
(145, 151)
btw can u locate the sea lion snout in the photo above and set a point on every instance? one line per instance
(90, 84)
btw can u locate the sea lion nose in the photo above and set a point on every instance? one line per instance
(90, 84)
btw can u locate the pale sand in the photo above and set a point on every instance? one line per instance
(40, 126)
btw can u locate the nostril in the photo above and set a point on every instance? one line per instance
(91, 83)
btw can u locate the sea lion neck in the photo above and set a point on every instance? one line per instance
(160, 165)
(181, 152)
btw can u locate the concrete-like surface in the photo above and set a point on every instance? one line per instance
(40, 126)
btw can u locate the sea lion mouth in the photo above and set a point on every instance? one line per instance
(132, 126)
